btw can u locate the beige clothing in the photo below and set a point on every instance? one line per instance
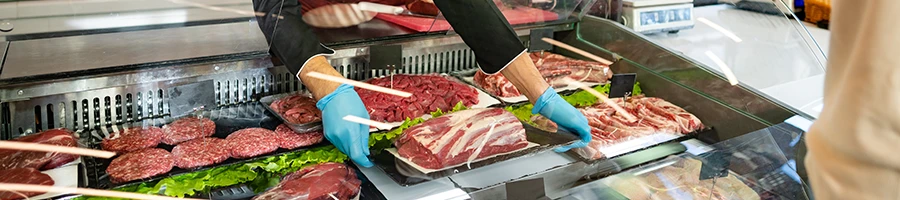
(854, 146)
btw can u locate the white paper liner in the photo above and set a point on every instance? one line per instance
(521, 98)
(637, 143)
(426, 170)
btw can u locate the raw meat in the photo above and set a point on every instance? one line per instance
(680, 180)
(22, 176)
(188, 128)
(451, 139)
(288, 139)
(320, 182)
(553, 68)
(430, 92)
(297, 109)
(140, 164)
(40, 160)
(425, 7)
(250, 142)
(307, 5)
(200, 152)
(133, 139)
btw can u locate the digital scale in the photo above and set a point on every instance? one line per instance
(654, 16)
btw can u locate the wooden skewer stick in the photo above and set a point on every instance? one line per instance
(355, 119)
(619, 109)
(27, 146)
(82, 191)
(578, 51)
(358, 84)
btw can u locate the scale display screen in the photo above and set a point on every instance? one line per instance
(665, 16)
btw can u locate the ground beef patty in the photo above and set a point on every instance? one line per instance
(132, 139)
(140, 164)
(200, 152)
(250, 142)
(288, 139)
(22, 176)
(188, 128)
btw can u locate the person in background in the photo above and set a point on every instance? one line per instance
(853, 146)
(479, 23)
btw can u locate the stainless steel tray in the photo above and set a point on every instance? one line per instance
(300, 128)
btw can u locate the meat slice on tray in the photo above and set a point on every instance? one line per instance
(188, 128)
(40, 160)
(431, 92)
(288, 139)
(297, 109)
(140, 164)
(553, 68)
(251, 142)
(200, 152)
(22, 176)
(451, 139)
(133, 139)
(323, 181)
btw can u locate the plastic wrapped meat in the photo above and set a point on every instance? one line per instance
(40, 160)
(452, 139)
(430, 93)
(297, 109)
(553, 68)
(324, 181)
(680, 180)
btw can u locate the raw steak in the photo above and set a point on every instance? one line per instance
(324, 181)
(132, 139)
(431, 92)
(307, 5)
(22, 176)
(451, 139)
(553, 68)
(140, 164)
(40, 160)
(200, 152)
(188, 128)
(297, 109)
(288, 139)
(250, 142)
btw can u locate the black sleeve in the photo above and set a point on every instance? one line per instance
(290, 39)
(485, 30)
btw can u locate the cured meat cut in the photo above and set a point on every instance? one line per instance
(288, 139)
(250, 142)
(132, 139)
(320, 182)
(200, 152)
(40, 160)
(297, 109)
(452, 139)
(140, 164)
(22, 176)
(431, 92)
(188, 128)
(553, 68)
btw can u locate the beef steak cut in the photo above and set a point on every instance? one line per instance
(188, 128)
(200, 152)
(288, 139)
(323, 181)
(451, 139)
(553, 68)
(250, 142)
(431, 92)
(133, 139)
(140, 164)
(297, 109)
(22, 176)
(40, 160)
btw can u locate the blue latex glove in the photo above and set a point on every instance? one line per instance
(349, 137)
(553, 107)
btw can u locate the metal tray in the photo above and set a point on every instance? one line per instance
(300, 128)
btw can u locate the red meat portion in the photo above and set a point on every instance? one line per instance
(40, 160)
(451, 139)
(430, 92)
(133, 139)
(200, 152)
(251, 142)
(289, 139)
(188, 128)
(307, 5)
(553, 68)
(140, 164)
(23, 176)
(297, 109)
(320, 182)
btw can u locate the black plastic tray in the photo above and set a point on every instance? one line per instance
(300, 128)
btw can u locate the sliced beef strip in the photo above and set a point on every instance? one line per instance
(297, 109)
(431, 92)
(323, 181)
(22, 176)
(251, 142)
(188, 128)
(140, 164)
(40, 160)
(553, 68)
(200, 152)
(289, 139)
(133, 139)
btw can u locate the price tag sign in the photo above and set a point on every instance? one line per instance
(530, 189)
(622, 85)
(386, 57)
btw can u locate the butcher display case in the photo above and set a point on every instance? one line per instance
(101, 68)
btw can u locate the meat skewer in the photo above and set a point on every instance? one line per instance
(27, 146)
(82, 191)
(359, 84)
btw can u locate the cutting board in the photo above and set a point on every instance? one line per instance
(514, 16)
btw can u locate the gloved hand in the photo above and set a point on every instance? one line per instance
(349, 137)
(553, 107)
